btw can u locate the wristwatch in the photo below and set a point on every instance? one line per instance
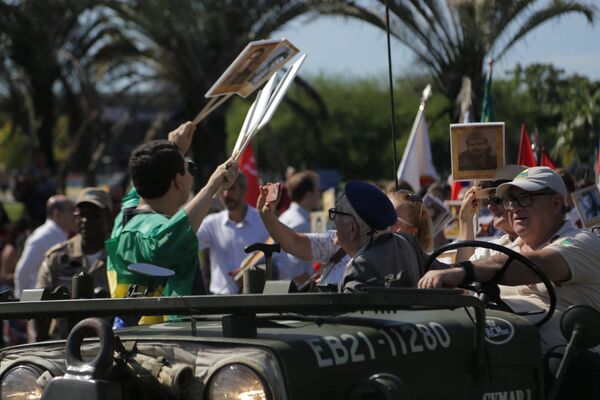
(467, 266)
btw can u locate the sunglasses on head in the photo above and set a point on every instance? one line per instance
(408, 195)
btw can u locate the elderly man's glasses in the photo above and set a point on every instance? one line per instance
(334, 212)
(522, 200)
(192, 167)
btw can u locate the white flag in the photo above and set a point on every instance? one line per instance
(417, 160)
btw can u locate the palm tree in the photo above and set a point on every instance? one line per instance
(452, 38)
(185, 46)
(51, 50)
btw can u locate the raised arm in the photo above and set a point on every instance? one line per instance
(291, 242)
(222, 178)
(468, 208)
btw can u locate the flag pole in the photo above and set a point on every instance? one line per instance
(391, 82)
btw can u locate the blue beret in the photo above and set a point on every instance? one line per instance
(371, 204)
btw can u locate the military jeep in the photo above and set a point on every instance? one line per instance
(387, 343)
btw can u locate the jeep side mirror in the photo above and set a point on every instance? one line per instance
(580, 325)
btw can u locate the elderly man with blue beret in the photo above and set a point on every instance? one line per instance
(363, 216)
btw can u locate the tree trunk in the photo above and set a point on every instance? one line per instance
(43, 102)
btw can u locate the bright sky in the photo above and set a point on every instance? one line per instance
(336, 45)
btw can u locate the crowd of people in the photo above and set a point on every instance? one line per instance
(379, 238)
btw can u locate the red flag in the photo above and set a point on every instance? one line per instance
(248, 167)
(526, 157)
(547, 161)
(455, 189)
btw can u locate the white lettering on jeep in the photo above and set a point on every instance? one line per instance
(395, 341)
(509, 395)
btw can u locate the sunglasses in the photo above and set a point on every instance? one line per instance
(493, 200)
(407, 195)
(192, 167)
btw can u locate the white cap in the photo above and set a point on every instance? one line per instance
(534, 179)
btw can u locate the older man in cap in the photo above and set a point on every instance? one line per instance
(83, 253)
(362, 217)
(536, 200)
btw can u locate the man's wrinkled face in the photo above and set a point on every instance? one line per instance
(234, 196)
(477, 147)
(344, 224)
(531, 222)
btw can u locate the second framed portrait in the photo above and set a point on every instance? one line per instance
(477, 150)
(587, 203)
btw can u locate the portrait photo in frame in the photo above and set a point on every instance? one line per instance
(253, 66)
(440, 215)
(477, 150)
(451, 230)
(587, 203)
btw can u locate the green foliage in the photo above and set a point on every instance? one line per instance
(13, 146)
(453, 38)
(565, 111)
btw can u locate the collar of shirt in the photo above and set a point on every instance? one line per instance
(250, 218)
(76, 248)
(53, 227)
(565, 227)
(298, 208)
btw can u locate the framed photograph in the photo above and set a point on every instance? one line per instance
(451, 230)
(253, 66)
(477, 150)
(587, 203)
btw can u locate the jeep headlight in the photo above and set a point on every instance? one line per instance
(19, 383)
(237, 382)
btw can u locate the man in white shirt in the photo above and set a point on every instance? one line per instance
(60, 222)
(305, 193)
(227, 233)
(536, 200)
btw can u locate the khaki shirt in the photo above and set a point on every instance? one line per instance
(67, 259)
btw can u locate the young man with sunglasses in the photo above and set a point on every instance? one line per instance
(157, 223)
(536, 200)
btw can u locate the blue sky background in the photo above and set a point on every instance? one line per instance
(337, 45)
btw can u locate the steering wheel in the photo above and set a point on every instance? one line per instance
(512, 255)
